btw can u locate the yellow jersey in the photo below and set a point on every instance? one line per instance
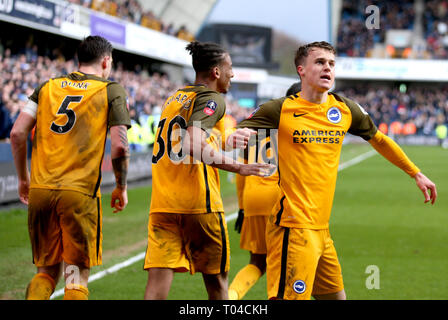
(181, 184)
(73, 115)
(260, 193)
(309, 144)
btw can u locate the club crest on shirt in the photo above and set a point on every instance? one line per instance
(210, 107)
(334, 115)
(299, 286)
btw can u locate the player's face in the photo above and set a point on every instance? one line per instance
(318, 69)
(226, 74)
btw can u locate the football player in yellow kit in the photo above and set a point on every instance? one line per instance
(72, 114)
(301, 257)
(187, 229)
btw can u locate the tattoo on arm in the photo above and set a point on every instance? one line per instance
(120, 166)
(123, 135)
(120, 154)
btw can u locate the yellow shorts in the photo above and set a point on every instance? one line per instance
(301, 263)
(253, 234)
(64, 226)
(188, 242)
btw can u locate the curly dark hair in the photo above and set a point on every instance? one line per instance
(206, 55)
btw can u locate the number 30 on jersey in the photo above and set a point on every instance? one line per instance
(181, 125)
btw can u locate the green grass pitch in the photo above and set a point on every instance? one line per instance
(378, 219)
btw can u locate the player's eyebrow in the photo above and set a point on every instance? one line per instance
(331, 61)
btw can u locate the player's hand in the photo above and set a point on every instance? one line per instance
(119, 198)
(427, 186)
(239, 221)
(24, 190)
(256, 169)
(240, 138)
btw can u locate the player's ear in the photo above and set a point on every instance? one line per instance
(216, 72)
(104, 62)
(300, 70)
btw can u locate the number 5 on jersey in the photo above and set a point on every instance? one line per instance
(71, 116)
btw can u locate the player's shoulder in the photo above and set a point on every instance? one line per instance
(112, 85)
(272, 106)
(207, 92)
(206, 95)
(266, 115)
(342, 99)
(275, 103)
(355, 107)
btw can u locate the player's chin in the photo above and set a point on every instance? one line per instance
(326, 85)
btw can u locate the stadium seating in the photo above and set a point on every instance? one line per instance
(132, 10)
(21, 73)
(394, 15)
(421, 106)
(436, 28)
(23, 70)
(407, 15)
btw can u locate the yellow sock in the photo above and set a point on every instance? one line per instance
(41, 287)
(76, 292)
(243, 281)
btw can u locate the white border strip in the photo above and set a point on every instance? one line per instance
(230, 217)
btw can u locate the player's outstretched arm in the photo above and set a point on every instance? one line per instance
(196, 145)
(427, 186)
(19, 134)
(392, 152)
(120, 164)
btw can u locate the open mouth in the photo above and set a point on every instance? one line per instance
(326, 77)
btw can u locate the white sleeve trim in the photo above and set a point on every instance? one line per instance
(31, 108)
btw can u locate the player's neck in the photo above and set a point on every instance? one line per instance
(206, 82)
(91, 70)
(314, 96)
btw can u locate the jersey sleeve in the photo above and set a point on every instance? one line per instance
(35, 95)
(118, 106)
(33, 100)
(209, 107)
(362, 124)
(266, 116)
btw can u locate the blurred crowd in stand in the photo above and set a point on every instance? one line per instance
(132, 10)
(436, 28)
(402, 111)
(354, 39)
(393, 15)
(21, 73)
(414, 110)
